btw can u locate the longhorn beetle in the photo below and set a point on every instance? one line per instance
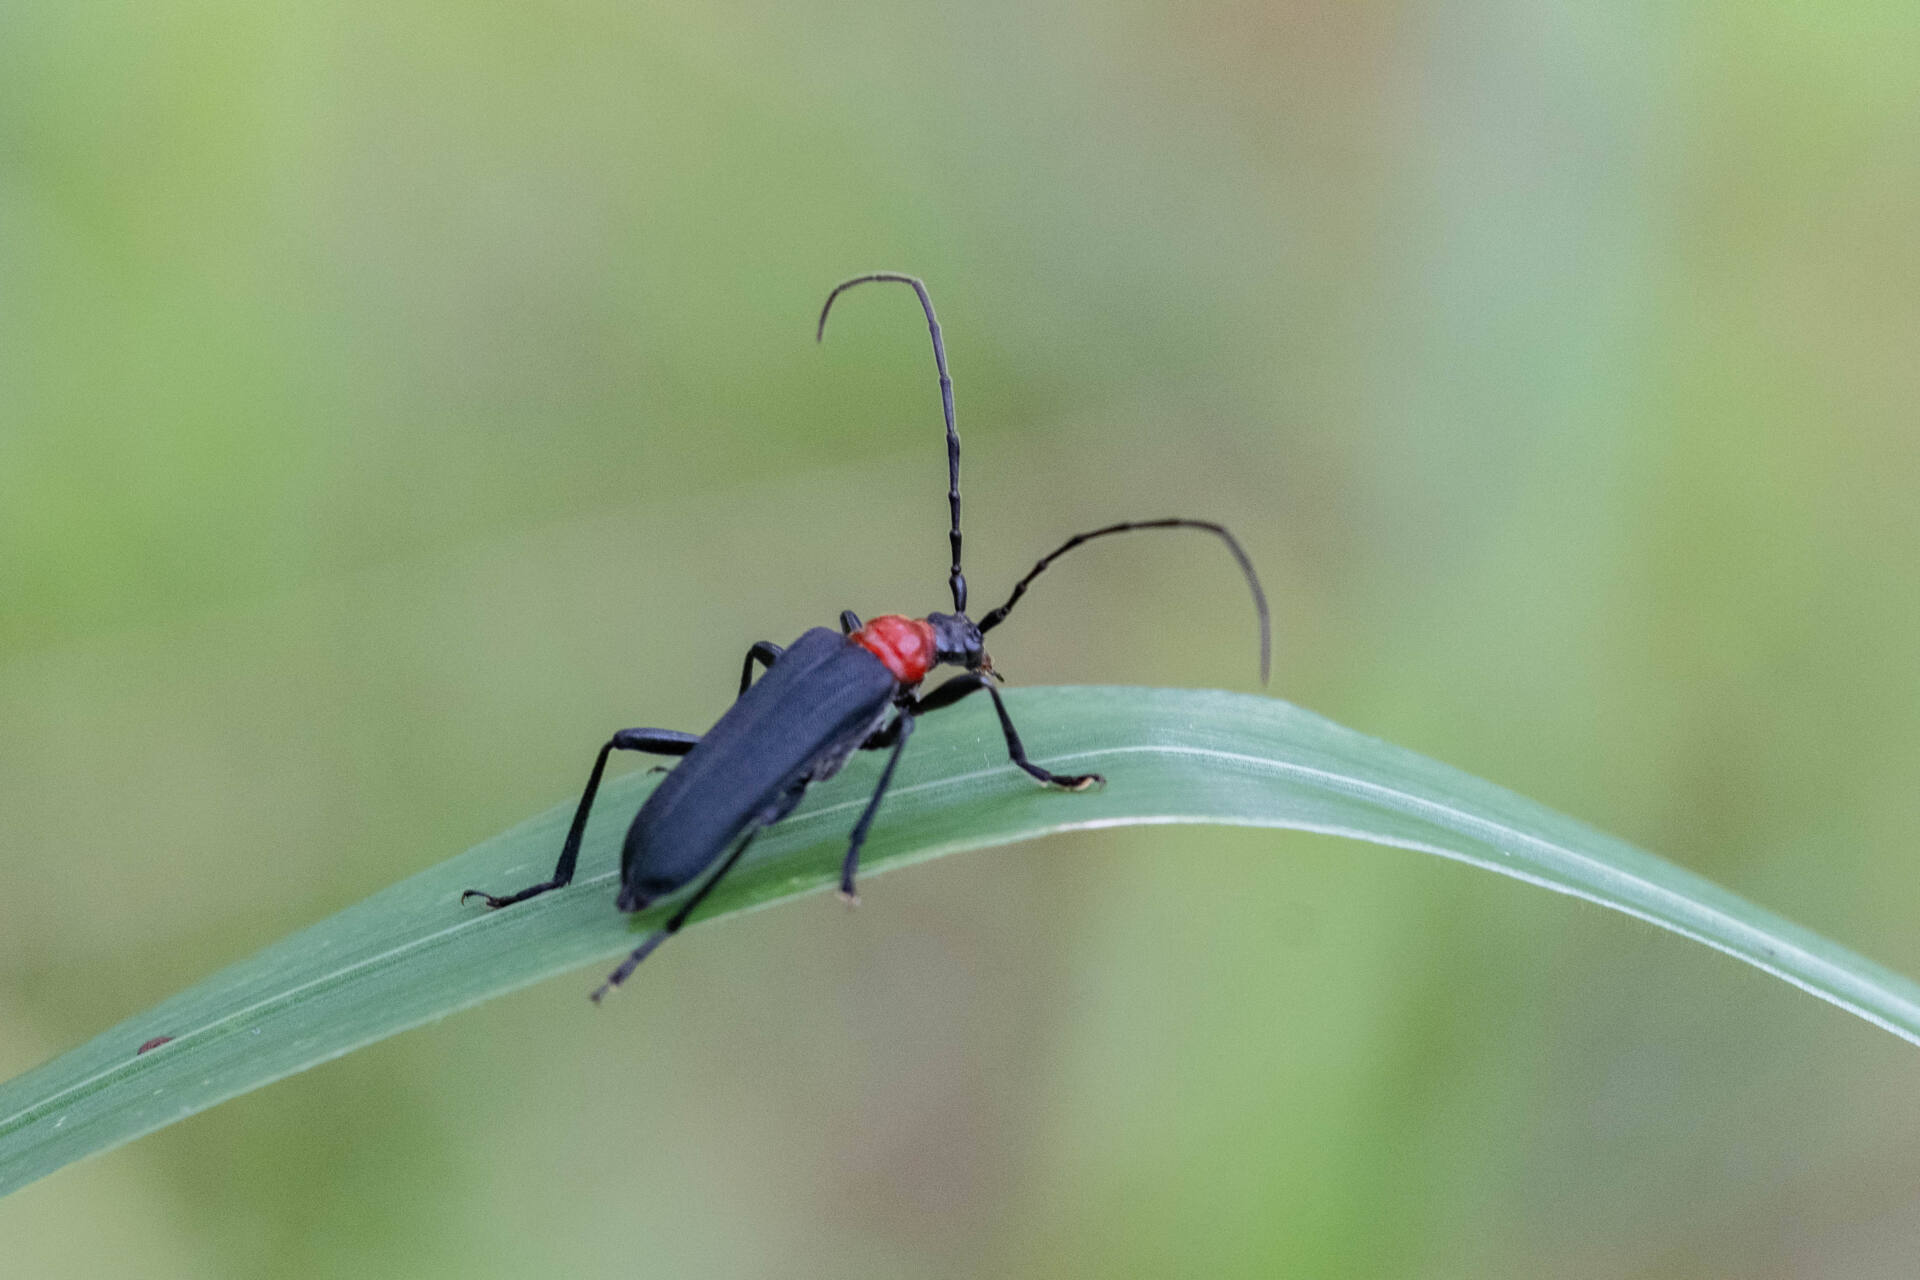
(823, 697)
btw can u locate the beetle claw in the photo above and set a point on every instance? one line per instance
(849, 897)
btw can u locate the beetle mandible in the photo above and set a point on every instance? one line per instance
(825, 696)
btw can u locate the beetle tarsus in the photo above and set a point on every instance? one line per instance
(1062, 781)
(494, 904)
(632, 962)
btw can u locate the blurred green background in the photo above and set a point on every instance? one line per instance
(396, 398)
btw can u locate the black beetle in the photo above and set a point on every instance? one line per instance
(825, 696)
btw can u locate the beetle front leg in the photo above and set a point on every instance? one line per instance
(972, 682)
(659, 742)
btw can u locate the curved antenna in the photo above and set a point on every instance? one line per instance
(994, 619)
(956, 580)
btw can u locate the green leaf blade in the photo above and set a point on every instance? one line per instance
(412, 953)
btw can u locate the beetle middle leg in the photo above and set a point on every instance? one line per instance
(674, 922)
(659, 742)
(896, 735)
(971, 682)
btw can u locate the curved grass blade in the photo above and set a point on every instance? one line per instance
(412, 953)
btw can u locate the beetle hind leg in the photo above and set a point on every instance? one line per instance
(764, 652)
(673, 924)
(659, 742)
(628, 965)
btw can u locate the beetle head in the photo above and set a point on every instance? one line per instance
(957, 640)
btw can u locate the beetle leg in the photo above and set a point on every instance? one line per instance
(849, 622)
(764, 652)
(971, 682)
(672, 926)
(901, 729)
(885, 736)
(1018, 753)
(659, 742)
(949, 693)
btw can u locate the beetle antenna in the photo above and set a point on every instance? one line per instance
(956, 579)
(994, 619)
